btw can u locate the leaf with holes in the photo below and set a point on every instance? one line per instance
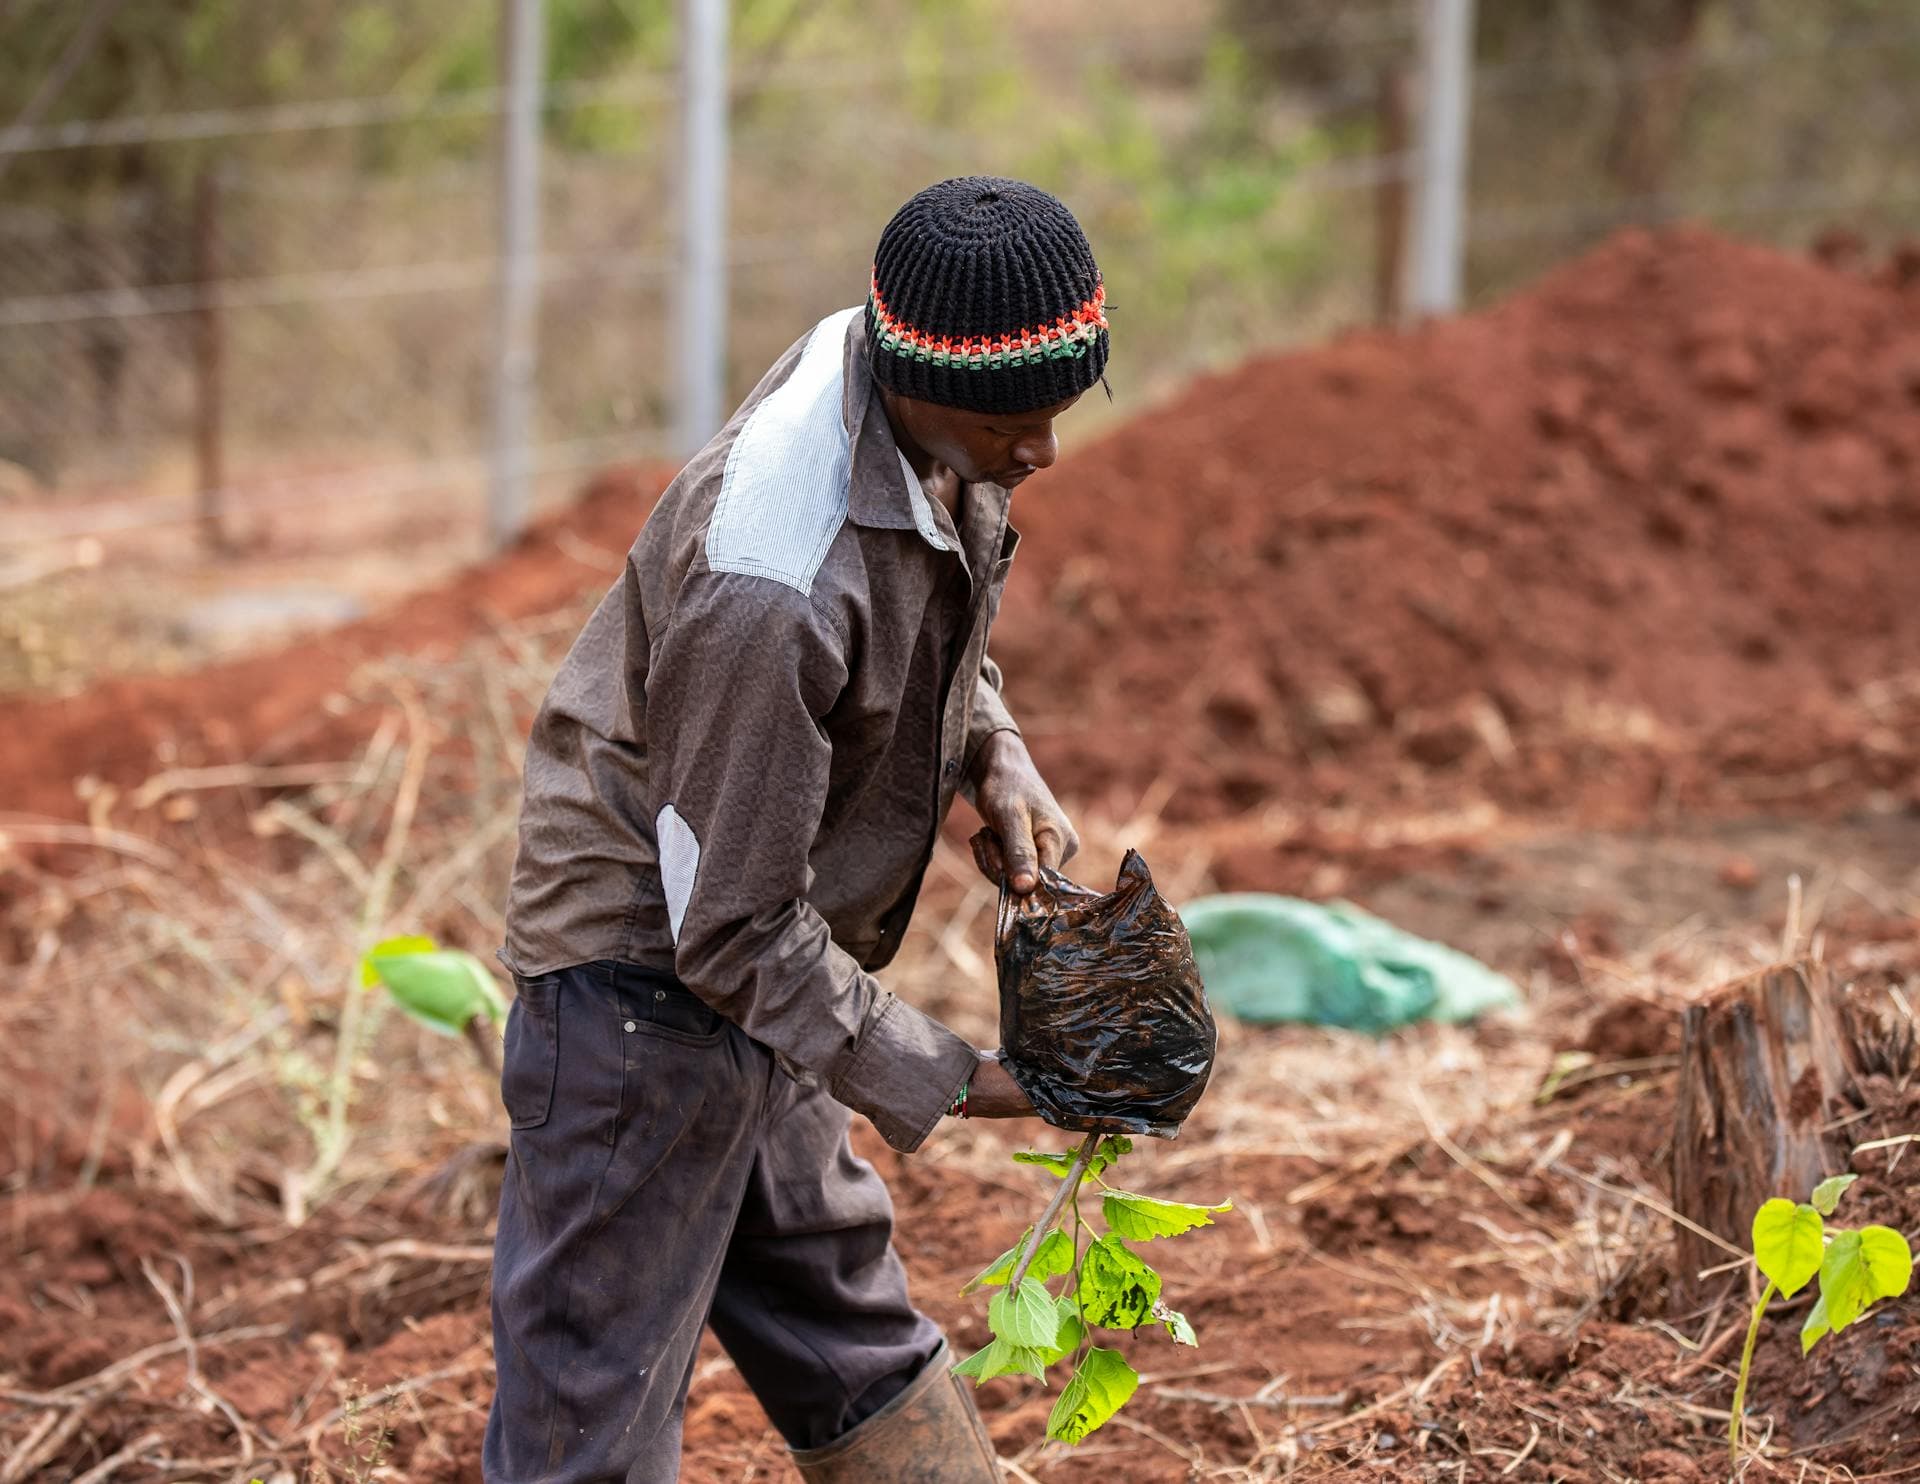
(1178, 1329)
(1117, 1290)
(1108, 1286)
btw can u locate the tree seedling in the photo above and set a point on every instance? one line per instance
(1792, 1245)
(1107, 1287)
(447, 991)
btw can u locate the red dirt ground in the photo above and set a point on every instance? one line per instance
(1638, 541)
(294, 1325)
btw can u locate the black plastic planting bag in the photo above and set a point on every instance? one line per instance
(1103, 1019)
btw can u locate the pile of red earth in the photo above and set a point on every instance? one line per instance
(1636, 538)
(1639, 534)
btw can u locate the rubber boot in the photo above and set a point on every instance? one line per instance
(929, 1434)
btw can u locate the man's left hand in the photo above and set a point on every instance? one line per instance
(1019, 809)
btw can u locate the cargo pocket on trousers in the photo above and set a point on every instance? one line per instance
(531, 1057)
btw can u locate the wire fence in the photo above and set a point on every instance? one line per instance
(325, 269)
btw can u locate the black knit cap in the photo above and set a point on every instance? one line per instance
(985, 296)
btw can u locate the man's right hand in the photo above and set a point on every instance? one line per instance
(994, 1093)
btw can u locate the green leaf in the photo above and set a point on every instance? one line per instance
(1071, 1333)
(1860, 1267)
(1054, 1258)
(391, 948)
(1060, 1164)
(999, 1270)
(443, 989)
(1176, 1323)
(1826, 1195)
(1105, 1153)
(1889, 1259)
(1117, 1290)
(1142, 1218)
(1816, 1328)
(1787, 1243)
(1024, 1316)
(1099, 1388)
(1000, 1358)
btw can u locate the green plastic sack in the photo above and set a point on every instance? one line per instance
(1269, 958)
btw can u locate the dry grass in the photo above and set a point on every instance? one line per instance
(223, 969)
(217, 977)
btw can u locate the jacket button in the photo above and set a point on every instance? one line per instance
(953, 766)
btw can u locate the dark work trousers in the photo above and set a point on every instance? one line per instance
(664, 1174)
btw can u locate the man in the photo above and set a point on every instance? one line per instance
(732, 793)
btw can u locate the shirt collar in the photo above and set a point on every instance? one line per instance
(883, 491)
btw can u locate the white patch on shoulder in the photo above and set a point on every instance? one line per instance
(679, 864)
(783, 497)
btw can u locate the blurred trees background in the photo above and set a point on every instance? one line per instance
(1226, 158)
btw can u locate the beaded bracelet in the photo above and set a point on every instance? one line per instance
(958, 1107)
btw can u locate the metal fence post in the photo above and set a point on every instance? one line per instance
(523, 69)
(1440, 194)
(209, 364)
(701, 324)
(1390, 197)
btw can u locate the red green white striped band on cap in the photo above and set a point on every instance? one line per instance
(1066, 336)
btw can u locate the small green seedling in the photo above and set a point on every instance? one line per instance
(1107, 1286)
(1792, 1245)
(447, 991)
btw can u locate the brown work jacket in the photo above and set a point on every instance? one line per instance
(741, 767)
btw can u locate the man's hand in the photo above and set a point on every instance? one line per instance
(1028, 827)
(994, 1094)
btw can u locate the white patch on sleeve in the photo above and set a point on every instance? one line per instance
(783, 497)
(679, 864)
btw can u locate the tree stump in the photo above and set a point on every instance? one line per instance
(1768, 1066)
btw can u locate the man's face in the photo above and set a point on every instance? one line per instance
(981, 447)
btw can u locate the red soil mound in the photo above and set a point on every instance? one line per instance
(1680, 475)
